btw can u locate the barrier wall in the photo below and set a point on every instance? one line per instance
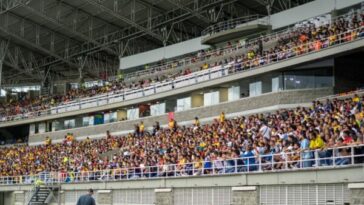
(258, 104)
(320, 186)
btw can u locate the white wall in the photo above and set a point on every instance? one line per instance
(308, 10)
(155, 55)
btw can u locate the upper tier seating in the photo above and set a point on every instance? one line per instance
(290, 43)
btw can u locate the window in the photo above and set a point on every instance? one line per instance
(69, 124)
(255, 89)
(183, 104)
(3, 92)
(132, 114)
(158, 109)
(87, 121)
(32, 129)
(211, 98)
(234, 93)
(275, 84)
(41, 127)
(110, 117)
(301, 79)
(56, 126)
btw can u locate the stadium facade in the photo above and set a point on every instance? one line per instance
(200, 84)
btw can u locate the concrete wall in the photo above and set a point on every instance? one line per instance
(357, 193)
(171, 51)
(245, 104)
(237, 189)
(357, 196)
(308, 10)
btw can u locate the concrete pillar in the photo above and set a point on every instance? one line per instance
(196, 100)
(57, 198)
(62, 197)
(1, 71)
(334, 14)
(163, 196)
(19, 198)
(224, 95)
(9, 198)
(247, 195)
(104, 197)
(2, 198)
(357, 193)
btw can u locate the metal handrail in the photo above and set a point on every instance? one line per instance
(328, 158)
(359, 92)
(140, 92)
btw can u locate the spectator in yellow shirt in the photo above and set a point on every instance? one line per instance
(172, 124)
(317, 144)
(48, 141)
(356, 98)
(196, 122)
(316, 141)
(222, 117)
(141, 129)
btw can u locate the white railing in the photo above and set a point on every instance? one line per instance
(193, 78)
(359, 92)
(330, 158)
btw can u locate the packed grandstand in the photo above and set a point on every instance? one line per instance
(298, 134)
(328, 133)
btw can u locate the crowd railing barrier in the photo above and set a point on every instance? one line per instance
(326, 158)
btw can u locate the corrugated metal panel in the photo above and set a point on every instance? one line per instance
(134, 196)
(202, 196)
(323, 194)
(182, 196)
(222, 196)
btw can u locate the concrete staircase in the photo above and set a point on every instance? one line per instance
(43, 196)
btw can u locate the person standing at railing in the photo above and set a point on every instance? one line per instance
(249, 158)
(318, 145)
(306, 154)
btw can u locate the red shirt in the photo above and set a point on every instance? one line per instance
(348, 139)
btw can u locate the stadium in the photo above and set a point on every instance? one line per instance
(181, 102)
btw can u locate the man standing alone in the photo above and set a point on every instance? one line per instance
(87, 199)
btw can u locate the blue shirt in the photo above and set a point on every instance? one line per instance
(248, 158)
(305, 145)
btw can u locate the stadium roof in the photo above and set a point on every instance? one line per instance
(47, 40)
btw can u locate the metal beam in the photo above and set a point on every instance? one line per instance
(268, 3)
(192, 11)
(73, 32)
(8, 5)
(124, 19)
(4, 45)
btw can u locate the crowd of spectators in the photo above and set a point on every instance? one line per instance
(306, 38)
(293, 42)
(285, 139)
